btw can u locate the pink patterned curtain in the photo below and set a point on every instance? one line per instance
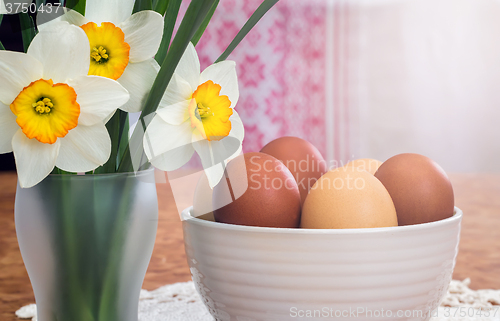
(293, 71)
(369, 78)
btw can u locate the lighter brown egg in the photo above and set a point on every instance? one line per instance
(367, 164)
(419, 187)
(302, 158)
(348, 198)
(269, 194)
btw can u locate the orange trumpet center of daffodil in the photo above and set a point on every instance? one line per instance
(109, 53)
(46, 111)
(210, 112)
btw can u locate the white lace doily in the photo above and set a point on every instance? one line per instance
(181, 302)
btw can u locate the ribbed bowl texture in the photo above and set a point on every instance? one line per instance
(246, 273)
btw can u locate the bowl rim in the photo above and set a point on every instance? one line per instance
(186, 216)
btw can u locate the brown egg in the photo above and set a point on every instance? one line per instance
(302, 159)
(269, 194)
(348, 198)
(419, 187)
(367, 164)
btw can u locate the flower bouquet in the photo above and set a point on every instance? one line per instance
(86, 207)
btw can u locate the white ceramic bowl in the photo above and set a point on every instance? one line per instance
(246, 273)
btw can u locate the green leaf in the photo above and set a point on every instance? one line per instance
(256, 16)
(1, 18)
(168, 29)
(77, 5)
(161, 6)
(141, 5)
(123, 137)
(116, 127)
(28, 30)
(195, 14)
(205, 23)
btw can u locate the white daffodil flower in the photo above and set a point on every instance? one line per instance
(196, 113)
(122, 45)
(51, 112)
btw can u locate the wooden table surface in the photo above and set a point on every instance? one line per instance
(478, 195)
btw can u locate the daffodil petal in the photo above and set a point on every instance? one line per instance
(237, 128)
(214, 174)
(238, 132)
(178, 90)
(98, 97)
(215, 152)
(63, 49)
(189, 67)
(175, 114)
(45, 18)
(74, 17)
(143, 32)
(138, 79)
(224, 74)
(84, 148)
(175, 102)
(168, 147)
(8, 128)
(114, 11)
(34, 160)
(236, 154)
(17, 70)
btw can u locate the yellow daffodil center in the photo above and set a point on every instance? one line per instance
(46, 111)
(210, 112)
(99, 54)
(109, 53)
(43, 106)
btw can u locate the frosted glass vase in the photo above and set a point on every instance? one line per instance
(86, 242)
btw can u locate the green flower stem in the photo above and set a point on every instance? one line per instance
(77, 5)
(108, 309)
(90, 246)
(205, 23)
(115, 127)
(141, 5)
(124, 130)
(72, 299)
(28, 31)
(252, 21)
(168, 29)
(195, 14)
(160, 6)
